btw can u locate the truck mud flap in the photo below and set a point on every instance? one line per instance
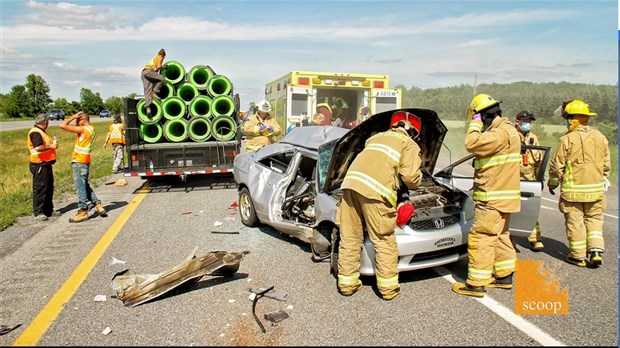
(134, 289)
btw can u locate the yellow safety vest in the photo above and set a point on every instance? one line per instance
(40, 156)
(83, 145)
(116, 133)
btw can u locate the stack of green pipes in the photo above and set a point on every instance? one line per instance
(194, 106)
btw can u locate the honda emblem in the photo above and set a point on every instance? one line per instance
(439, 223)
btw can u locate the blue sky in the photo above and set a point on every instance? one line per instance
(103, 45)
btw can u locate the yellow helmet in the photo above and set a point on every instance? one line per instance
(479, 103)
(578, 107)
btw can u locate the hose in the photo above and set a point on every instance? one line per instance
(187, 92)
(199, 75)
(176, 130)
(200, 106)
(174, 72)
(219, 85)
(151, 133)
(156, 112)
(199, 129)
(174, 108)
(224, 128)
(222, 105)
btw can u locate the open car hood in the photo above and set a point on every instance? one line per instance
(344, 150)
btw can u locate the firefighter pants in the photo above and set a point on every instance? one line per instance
(42, 189)
(535, 235)
(379, 218)
(584, 226)
(489, 247)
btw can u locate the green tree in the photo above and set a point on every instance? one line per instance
(16, 102)
(62, 104)
(115, 105)
(37, 95)
(91, 102)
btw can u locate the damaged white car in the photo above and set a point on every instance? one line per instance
(294, 186)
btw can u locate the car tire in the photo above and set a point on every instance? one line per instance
(246, 208)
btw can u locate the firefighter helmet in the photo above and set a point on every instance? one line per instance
(577, 107)
(406, 120)
(264, 106)
(481, 102)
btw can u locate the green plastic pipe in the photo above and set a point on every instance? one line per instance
(200, 106)
(199, 129)
(174, 72)
(222, 105)
(167, 90)
(199, 75)
(156, 112)
(187, 92)
(151, 133)
(176, 130)
(224, 128)
(174, 107)
(219, 85)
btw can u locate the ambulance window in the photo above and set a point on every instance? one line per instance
(299, 104)
(385, 104)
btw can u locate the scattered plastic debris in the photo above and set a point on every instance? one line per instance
(234, 205)
(231, 301)
(249, 280)
(100, 298)
(121, 182)
(106, 331)
(289, 306)
(276, 316)
(117, 261)
(218, 223)
(4, 329)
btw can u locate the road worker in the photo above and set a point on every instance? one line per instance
(261, 128)
(369, 202)
(116, 137)
(42, 157)
(580, 165)
(531, 161)
(152, 80)
(496, 145)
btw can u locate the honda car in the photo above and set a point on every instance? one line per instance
(293, 186)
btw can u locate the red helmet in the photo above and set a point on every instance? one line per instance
(409, 120)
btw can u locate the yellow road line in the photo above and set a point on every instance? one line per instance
(42, 322)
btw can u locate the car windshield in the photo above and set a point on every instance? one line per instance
(325, 155)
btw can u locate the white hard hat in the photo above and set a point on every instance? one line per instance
(264, 106)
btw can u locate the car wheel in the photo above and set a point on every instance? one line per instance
(246, 208)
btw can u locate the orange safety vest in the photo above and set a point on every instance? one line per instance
(40, 156)
(117, 131)
(83, 145)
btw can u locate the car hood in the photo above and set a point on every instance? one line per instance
(344, 150)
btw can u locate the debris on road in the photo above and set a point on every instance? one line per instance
(225, 232)
(117, 261)
(217, 223)
(100, 298)
(234, 205)
(274, 294)
(257, 296)
(276, 316)
(134, 289)
(4, 329)
(106, 331)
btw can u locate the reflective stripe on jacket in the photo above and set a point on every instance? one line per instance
(40, 156)
(117, 133)
(83, 145)
(253, 139)
(388, 158)
(497, 160)
(533, 160)
(580, 163)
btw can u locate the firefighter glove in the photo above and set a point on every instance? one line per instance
(477, 116)
(404, 213)
(606, 184)
(264, 130)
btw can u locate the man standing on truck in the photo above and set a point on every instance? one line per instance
(116, 137)
(369, 200)
(152, 80)
(80, 161)
(260, 128)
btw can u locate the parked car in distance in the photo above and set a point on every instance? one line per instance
(56, 114)
(105, 113)
(293, 186)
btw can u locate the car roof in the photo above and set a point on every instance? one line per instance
(311, 137)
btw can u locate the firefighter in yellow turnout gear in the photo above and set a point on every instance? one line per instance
(369, 201)
(496, 145)
(261, 128)
(530, 165)
(580, 166)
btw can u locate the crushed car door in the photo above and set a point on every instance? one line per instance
(460, 174)
(272, 173)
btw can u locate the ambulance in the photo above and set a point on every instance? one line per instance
(342, 99)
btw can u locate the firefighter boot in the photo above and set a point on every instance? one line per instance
(466, 289)
(82, 215)
(349, 292)
(576, 262)
(391, 296)
(100, 210)
(596, 260)
(502, 283)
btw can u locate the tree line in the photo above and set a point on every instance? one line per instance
(541, 99)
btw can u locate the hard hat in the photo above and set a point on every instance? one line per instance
(577, 107)
(408, 119)
(481, 102)
(524, 115)
(264, 106)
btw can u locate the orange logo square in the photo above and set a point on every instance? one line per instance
(537, 291)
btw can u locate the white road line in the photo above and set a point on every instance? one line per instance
(551, 200)
(515, 320)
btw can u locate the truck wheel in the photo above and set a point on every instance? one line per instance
(246, 208)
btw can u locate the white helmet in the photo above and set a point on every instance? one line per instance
(264, 106)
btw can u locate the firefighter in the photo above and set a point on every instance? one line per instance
(580, 166)
(261, 128)
(116, 137)
(369, 202)
(496, 145)
(530, 164)
(42, 158)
